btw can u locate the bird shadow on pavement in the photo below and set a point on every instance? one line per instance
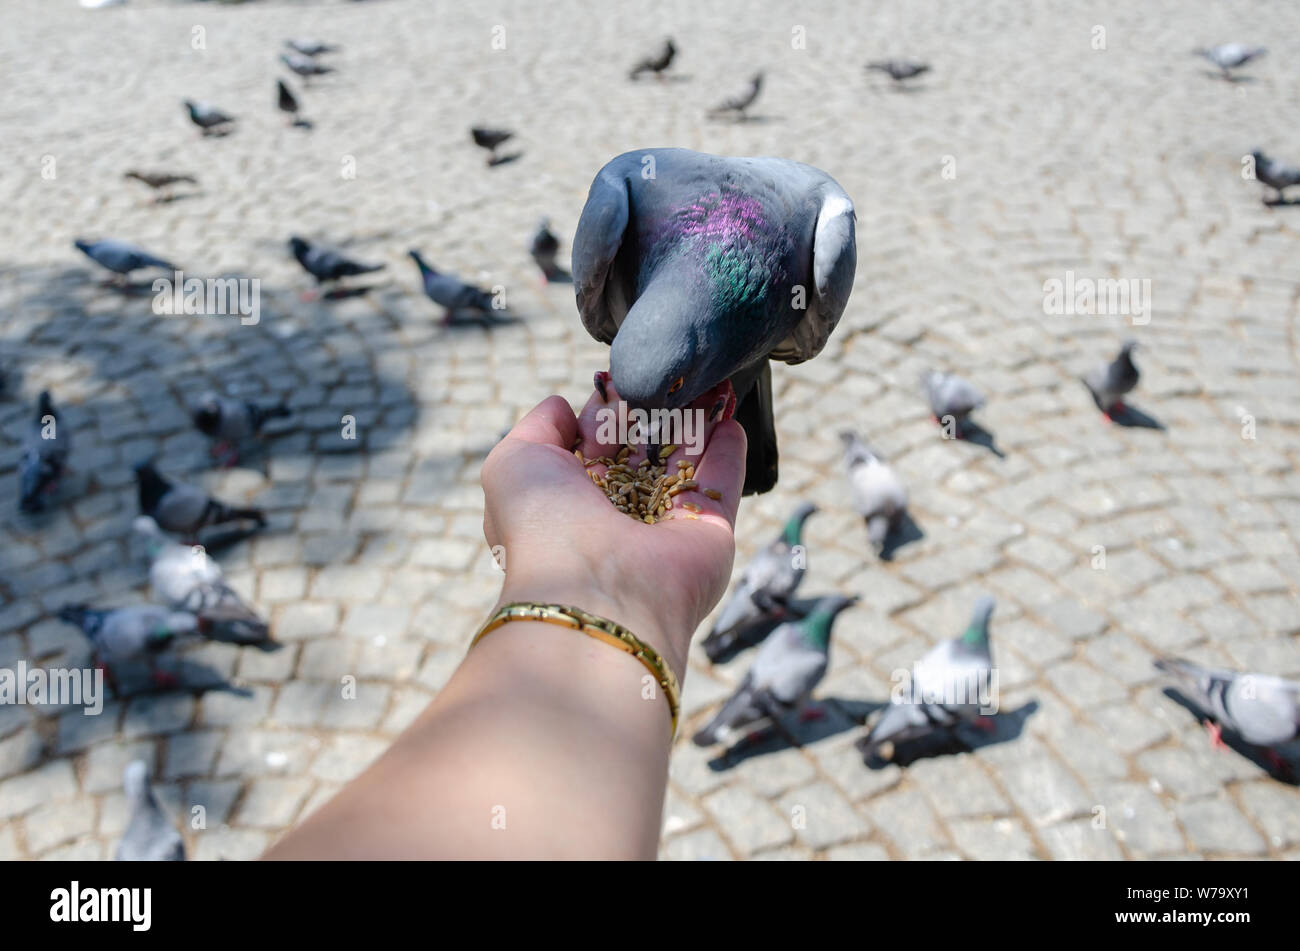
(837, 715)
(760, 119)
(904, 531)
(965, 738)
(1281, 202)
(1291, 759)
(1134, 418)
(977, 435)
(347, 293)
(560, 276)
(754, 633)
(496, 160)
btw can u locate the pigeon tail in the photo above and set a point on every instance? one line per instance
(754, 413)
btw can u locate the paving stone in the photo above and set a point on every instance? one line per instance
(272, 803)
(747, 821)
(1217, 826)
(821, 816)
(1044, 791)
(1000, 840)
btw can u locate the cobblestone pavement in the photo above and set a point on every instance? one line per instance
(1123, 162)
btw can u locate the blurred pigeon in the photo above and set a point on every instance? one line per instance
(1263, 710)
(742, 100)
(544, 247)
(450, 291)
(1110, 382)
(187, 578)
(1275, 174)
(704, 270)
(311, 47)
(490, 139)
(325, 264)
(208, 118)
(102, 4)
(119, 257)
(1229, 56)
(875, 490)
(945, 689)
(657, 62)
(150, 835)
(45, 455)
(182, 508)
(285, 100)
(787, 668)
(899, 70)
(765, 585)
(138, 632)
(161, 182)
(950, 396)
(229, 421)
(305, 66)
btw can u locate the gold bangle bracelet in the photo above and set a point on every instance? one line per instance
(601, 629)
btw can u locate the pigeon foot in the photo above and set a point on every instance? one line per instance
(810, 714)
(1216, 735)
(986, 724)
(163, 680)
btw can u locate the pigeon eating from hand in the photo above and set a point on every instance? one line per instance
(787, 668)
(150, 835)
(656, 63)
(185, 509)
(1275, 174)
(1261, 709)
(451, 292)
(1110, 382)
(698, 269)
(738, 103)
(875, 491)
(229, 421)
(311, 47)
(161, 182)
(899, 70)
(187, 578)
(491, 139)
(305, 66)
(951, 399)
(208, 118)
(765, 586)
(119, 257)
(325, 264)
(947, 687)
(45, 457)
(140, 631)
(1230, 56)
(544, 248)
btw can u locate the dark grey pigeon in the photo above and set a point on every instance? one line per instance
(285, 99)
(119, 257)
(698, 269)
(228, 422)
(946, 688)
(161, 182)
(950, 396)
(45, 456)
(1229, 56)
(490, 139)
(311, 47)
(208, 118)
(137, 632)
(787, 668)
(1110, 382)
(657, 62)
(305, 66)
(450, 291)
(742, 100)
(876, 492)
(1275, 174)
(765, 585)
(150, 835)
(543, 248)
(899, 70)
(185, 509)
(325, 264)
(1263, 710)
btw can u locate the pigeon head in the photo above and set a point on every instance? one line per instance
(146, 528)
(82, 245)
(45, 405)
(135, 780)
(855, 450)
(817, 625)
(298, 246)
(1128, 347)
(419, 260)
(794, 524)
(207, 414)
(977, 632)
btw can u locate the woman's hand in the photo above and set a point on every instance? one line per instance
(564, 542)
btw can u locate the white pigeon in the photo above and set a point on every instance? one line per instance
(875, 491)
(950, 396)
(150, 835)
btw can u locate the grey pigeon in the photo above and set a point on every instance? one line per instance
(875, 491)
(1275, 174)
(208, 118)
(137, 632)
(698, 269)
(46, 445)
(657, 62)
(899, 70)
(491, 140)
(950, 396)
(765, 585)
(1229, 56)
(944, 690)
(450, 291)
(742, 100)
(787, 668)
(326, 264)
(182, 508)
(161, 182)
(543, 248)
(1110, 382)
(228, 422)
(119, 257)
(187, 578)
(311, 47)
(150, 835)
(1263, 710)
(304, 66)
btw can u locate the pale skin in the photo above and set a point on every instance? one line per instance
(550, 733)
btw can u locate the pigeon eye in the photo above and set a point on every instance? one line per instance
(677, 385)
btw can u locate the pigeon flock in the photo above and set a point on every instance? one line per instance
(631, 277)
